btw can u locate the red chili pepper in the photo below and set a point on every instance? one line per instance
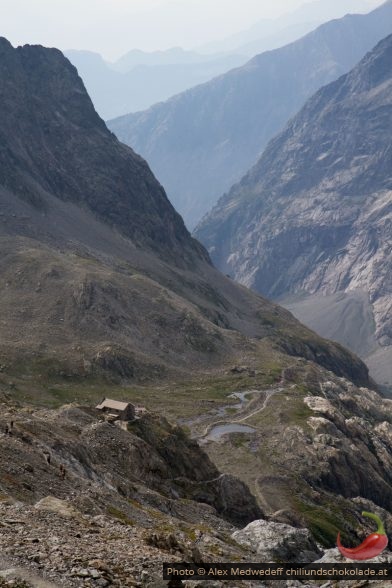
(371, 547)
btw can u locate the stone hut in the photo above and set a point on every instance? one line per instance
(123, 411)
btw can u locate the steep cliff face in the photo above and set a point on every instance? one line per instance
(99, 274)
(91, 495)
(202, 141)
(150, 455)
(54, 144)
(313, 217)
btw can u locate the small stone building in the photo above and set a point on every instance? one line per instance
(123, 411)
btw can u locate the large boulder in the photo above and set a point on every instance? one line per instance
(278, 542)
(57, 506)
(334, 556)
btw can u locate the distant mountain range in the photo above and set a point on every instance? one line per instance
(310, 224)
(173, 56)
(269, 34)
(203, 140)
(138, 79)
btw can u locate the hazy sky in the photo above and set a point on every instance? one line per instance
(113, 27)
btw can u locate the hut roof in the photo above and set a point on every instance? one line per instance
(113, 404)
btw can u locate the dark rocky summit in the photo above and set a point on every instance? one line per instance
(311, 222)
(202, 141)
(53, 144)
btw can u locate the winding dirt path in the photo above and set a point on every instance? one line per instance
(241, 418)
(233, 421)
(268, 394)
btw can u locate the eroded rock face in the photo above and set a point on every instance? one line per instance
(234, 499)
(151, 456)
(338, 459)
(278, 542)
(313, 217)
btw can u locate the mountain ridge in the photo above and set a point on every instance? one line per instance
(116, 91)
(136, 178)
(307, 13)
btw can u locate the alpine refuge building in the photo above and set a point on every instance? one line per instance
(123, 411)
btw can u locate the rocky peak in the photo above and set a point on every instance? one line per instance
(53, 143)
(5, 45)
(374, 69)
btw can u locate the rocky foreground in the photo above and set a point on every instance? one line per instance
(86, 502)
(52, 544)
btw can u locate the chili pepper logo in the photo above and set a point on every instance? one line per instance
(371, 547)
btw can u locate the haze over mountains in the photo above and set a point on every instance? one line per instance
(140, 79)
(270, 34)
(203, 140)
(173, 56)
(310, 224)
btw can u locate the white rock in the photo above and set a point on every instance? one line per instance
(278, 542)
(60, 507)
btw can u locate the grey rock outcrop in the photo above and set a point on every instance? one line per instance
(152, 459)
(60, 507)
(278, 542)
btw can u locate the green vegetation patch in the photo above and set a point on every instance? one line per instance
(326, 520)
(120, 516)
